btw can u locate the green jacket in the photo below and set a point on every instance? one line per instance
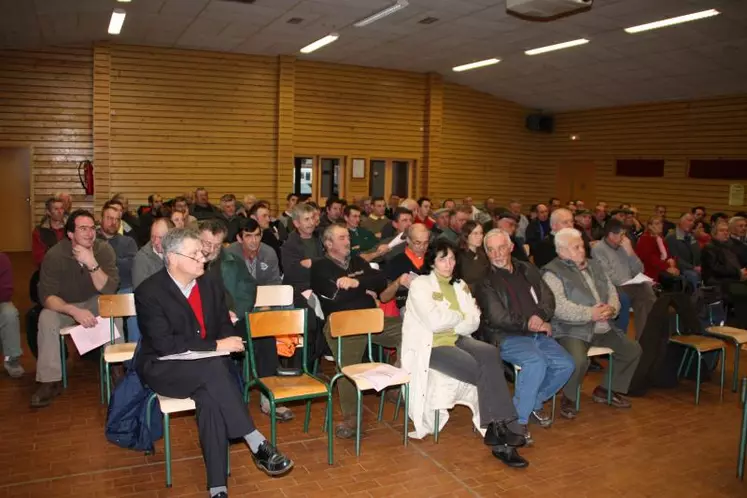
(238, 282)
(361, 241)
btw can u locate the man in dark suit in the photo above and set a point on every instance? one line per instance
(179, 309)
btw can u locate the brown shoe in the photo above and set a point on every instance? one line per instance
(392, 395)
(600, 396)
(568, 408)
(45, 394)
(346, 428)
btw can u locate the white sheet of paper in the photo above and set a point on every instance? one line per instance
(399, 239)
(383, 376)
(639, 279)
(194, 355)
(88, 339)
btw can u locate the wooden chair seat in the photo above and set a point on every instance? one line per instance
(352, 371)
(738, 335)
(117, 353)
(174, 405)
(698, 342)
(66, 330)
(598, 351)
(291, 387)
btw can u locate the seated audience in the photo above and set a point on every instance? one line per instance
(722, 268)
(619, 261)
(514, 206)
(506, 221)
(67, 202)
(598, 221)
(699, 214)
(125, 249)
(544, 250)
(344, 282)
(473, 263)
(585, 304)
(362, 242)
(228, 217)
(737, 236)
(177, 218)
(582, 223)
(701, 232)
(202, 209)
(457, 218)
(149, 259)
(246, 205)
(290, 202)
(554, 203)
(10, 324)
(392, 205)
(658, 263)
(661, 211)
(403, 267)
(50, 231)
(539, 228)
(147, 216)
(401, 219)
(377, 220)
(181, 205)
(259, 258)
(685, 249)
(332, 213)
(448, 204)
(442, 312)
(423, 214)
(171, 305)
(516, 309)
(73, 275)
(130, 222)
(441, 218)
(301, 250)
(271, 235)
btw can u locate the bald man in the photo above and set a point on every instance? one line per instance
(149, 259)
(544, 251)
(403, 267)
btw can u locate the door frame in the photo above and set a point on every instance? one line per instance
(388, 166)
(316, 167)
(32, 197)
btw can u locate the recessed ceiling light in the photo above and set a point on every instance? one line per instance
(475, 65)
(116, 22)
(320, 43)
(672, 21)
(557, 46)
(400, 4)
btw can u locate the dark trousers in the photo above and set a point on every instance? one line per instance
(478, 363)
(221, 413)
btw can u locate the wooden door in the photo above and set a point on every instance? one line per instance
(15, 198)
(391, 176)
(576, 179)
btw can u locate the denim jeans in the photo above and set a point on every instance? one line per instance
(133, 331)
(545, 368)
(10, 330)
(623, 318)
(692, 277)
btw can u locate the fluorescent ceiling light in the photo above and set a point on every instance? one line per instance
(124, 1)
(557, 46)
(475, 65)
(400, 4)
(673, 20)
(117, 20)
(320, 43)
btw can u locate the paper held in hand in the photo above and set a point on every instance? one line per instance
(88, 339)
(194, 355)
(639, 279)
(399, 239)
(383, 376)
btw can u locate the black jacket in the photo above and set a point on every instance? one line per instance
(537, 232)
(720, 263)
(544, 251)
(499, 317)
(324, 275)
(292, 252)
(169, 326)
(740, 249)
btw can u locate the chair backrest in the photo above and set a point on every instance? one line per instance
(356, 322)
(276, 323)
(116, 305)
(274, 295)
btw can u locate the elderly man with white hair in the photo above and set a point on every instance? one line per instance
(586, 303)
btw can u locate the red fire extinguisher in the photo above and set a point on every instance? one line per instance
(85, 175)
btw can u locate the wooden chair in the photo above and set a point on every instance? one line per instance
(279, 389)
(357, 322)
(169, 406)
(698, 344)
(735, 336)
(113, 306)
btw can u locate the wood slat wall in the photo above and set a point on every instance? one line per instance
(181, 119)
(46, 103)
(675, 132)
(487, 152)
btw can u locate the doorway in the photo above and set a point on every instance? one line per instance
(391, 177)
(319, 177)
(15, 198)
(576, 179)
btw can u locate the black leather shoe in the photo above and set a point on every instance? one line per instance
(498, 434)
(269, 460)
(595, 366)
(222, 494)
(510, 456)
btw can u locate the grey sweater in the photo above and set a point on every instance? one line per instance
(266, 269)
(146, 263)
(617, 263)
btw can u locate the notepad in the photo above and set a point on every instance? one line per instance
(87, 339)
(194, 355)
(639, 279)
(383, 376)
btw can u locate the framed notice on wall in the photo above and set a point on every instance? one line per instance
(736, 194)
(359, 168)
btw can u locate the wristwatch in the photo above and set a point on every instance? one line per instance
(94, 269)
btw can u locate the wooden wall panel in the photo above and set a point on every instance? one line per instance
(102, 62)
(487, 152)
(359, 112)
(182, 119)
(46, 103)
(675, 132)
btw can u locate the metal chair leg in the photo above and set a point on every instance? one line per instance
(396, 407)
(307, 417)
(381, 404)
(735, 382)
(108, 381)
(63, 362)
(167, 447)
(358, 419)
(697, 380)
(102, 376)
(437, 424)
(578, 397)
(273, 421)
(228, 459)
(328, 424)
(407, 402)
(552, 415)
(743, 433)
(723, 367)
(682, 363)
(609, 380)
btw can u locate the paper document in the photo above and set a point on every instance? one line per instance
(399, 239)
(383, 376)
(87, 339)
(639, 279)
(194, 355)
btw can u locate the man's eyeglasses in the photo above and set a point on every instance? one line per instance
(201, 259)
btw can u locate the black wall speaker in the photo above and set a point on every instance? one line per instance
(540, 122)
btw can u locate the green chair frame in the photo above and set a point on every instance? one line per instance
(609, 381)
(257, 381)
(689, 348)
(743, 432)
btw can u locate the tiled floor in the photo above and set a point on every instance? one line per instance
(665, 446)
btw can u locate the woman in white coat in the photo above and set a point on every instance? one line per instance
(440, 316)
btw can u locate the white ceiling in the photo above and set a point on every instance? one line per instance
(694, 60)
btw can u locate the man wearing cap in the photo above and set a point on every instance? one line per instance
(617, 257)
(441, 217)
(507, 221)
(582, 223)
